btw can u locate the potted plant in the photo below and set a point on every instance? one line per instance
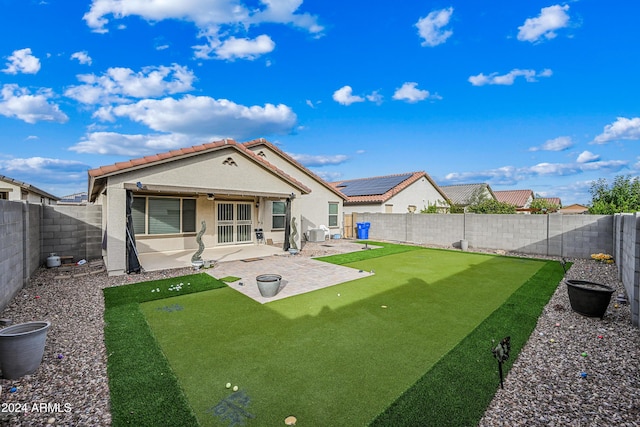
(589, 298)
(22, 348)
(268, 284)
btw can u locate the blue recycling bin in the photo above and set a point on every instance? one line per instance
(363, 229)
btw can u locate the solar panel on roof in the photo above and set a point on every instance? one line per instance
(372, 186)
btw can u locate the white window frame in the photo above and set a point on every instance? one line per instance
(283, 215)
(181, 216)
(336, 215)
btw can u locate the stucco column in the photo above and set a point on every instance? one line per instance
(116, 231)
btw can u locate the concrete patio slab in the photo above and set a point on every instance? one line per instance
(299, 275)
(179, 259)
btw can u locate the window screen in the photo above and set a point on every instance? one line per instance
(277, 214)
(164, 216)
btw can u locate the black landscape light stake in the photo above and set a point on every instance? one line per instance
(501, 352)
(564, 265)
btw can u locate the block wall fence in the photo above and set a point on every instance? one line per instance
(29, 233)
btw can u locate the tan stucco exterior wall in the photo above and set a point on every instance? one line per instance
(225, 169)
(314, 207)
(15, 194)
(419, 194)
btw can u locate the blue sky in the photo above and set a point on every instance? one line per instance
(537, 95)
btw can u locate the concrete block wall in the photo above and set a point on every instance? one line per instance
(442, 230)
(584, 235)
(72, 230)
(627, 256)
(30, 232)
(32, 214)
(12, 263)
(573, 236)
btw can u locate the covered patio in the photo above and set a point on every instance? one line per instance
(153, 261)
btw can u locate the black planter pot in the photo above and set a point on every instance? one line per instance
(589, 298)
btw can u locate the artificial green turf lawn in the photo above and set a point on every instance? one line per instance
(143, 389)
(329, 359)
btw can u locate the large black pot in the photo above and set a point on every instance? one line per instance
(589, 298)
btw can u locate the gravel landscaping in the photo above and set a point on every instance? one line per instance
(545, 386)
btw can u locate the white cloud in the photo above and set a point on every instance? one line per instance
(375, 97)
(215, 19)
(120, 84)
(410, 93)
(319, 160)
(622, 128)
(587, 156)
(205, 116)
(431, 28)
(22, 61)
(544, 25)
(118, 144)
(510, 175)
(82, 57)
(560, 143)
(56, 176)
(328, 176)
(345, 96)
(17, 102)
(509, 78)
(284, 12)
(234, 48)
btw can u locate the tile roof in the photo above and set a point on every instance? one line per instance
(552, 200)
(379, 189)
(262, 141)
(76, 198)
(97, 175)
(461, 194)
(575, 208)
(28, 187)
(518, 198)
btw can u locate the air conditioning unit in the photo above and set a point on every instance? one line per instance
(316, 235)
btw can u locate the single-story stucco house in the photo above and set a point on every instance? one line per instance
(575, 208)
(399, 193)
(12, 189)
(521, 199)
(232, 188)
(467, 194)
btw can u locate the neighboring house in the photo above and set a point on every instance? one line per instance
(574, 209)
(551, 200)
(12, 189)
(233, 188)
(467, 194)
(400, 193)
(521, 199)
(74, 199)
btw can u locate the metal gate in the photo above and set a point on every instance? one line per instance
(235, 222)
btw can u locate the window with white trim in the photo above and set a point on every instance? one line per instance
(163, 215)
(277, 215)
(333, 214)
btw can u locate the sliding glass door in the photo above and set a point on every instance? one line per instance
(235, 222)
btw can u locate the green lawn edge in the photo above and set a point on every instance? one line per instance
(460, 386)
(144, 391)
(384, 249)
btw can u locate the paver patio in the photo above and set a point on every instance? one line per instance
(299, 275)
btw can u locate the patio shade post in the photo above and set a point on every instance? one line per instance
(133, 264)
(287, 224)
